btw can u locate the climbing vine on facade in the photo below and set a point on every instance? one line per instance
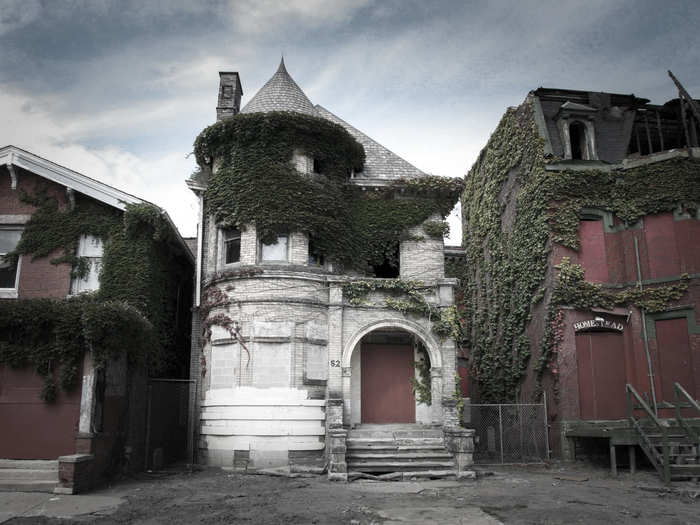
(246, 163)
(138, 310)
(513, 210)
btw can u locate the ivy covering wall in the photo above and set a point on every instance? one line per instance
(513, 209)
(246, 163)
(140, 310)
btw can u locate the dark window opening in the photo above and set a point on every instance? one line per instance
(318, 166)
(316, 258)
(577, 137)
(389, 268)
(232, 246)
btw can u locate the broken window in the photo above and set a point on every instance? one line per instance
(389, 268)
(232, 246)
(577, 136)
(9, 271)
(90, 249)
(316, 258)
(275, 251)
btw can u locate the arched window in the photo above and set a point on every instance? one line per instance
(577, 137)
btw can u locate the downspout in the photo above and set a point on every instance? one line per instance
(644, 330)
(200, 232)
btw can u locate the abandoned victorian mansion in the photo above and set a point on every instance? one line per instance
(321, 296)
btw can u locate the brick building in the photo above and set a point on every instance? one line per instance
(73, 430)
(582, 211)
(289, 361)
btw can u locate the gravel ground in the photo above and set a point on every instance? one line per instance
(552, 494)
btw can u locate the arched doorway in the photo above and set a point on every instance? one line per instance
(390, 369)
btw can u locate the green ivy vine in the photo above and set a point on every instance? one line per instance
(140, 309)
(246, 164)
(513, 210)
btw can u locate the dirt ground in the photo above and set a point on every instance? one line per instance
(553, 494)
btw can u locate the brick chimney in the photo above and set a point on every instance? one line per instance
(230, 93)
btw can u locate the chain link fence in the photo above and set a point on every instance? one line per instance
(508, 433)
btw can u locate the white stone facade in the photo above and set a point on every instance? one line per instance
(264, 387)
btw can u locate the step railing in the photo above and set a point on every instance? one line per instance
(685, 400)
(662, 465)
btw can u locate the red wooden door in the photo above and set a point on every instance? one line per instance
(387, 394)
(29, 427)
(600, 361)
(674, 358)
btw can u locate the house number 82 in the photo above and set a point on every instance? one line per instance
(335, 362)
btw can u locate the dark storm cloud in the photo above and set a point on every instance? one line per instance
(133, 82)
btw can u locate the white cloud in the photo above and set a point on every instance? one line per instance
(158, 179)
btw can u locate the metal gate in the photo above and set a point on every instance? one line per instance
(508, 433)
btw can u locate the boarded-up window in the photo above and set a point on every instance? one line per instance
(592, 253)
(315, 362)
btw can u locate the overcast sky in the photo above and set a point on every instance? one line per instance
(118, 90)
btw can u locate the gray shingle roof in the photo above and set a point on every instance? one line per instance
(380, 163)
(280, 93)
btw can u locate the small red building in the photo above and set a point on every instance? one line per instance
(73, 405)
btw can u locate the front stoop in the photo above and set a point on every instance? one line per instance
(28, 475)
(401, 452)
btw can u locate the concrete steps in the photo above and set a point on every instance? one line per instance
(28, 475)
(399, 452)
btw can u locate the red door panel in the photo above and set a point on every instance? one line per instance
(387, 394)
(31, 428)
(674, 357)
(600, 362)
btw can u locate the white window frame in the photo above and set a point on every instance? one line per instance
(275, 261)
(12, 293)
(89, 247)
(222, 248)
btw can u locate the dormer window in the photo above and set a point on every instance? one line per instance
(577, 137)
(577, 131)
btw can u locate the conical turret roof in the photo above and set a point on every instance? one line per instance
(280, 93)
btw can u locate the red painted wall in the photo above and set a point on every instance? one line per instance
(592, 253)
(38, 278)
(662, 248)
(31, 428)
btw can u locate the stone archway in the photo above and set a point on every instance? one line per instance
(353, 386)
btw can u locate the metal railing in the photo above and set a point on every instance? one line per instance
(508, 432)
(662, 465)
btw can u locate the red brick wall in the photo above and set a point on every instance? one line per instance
(38, 278)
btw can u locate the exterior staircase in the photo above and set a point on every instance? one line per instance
(672, 445)
(28, 475)
(398, 452)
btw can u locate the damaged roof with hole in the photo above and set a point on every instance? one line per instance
(282, 93)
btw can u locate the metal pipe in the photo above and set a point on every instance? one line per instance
(644, 330)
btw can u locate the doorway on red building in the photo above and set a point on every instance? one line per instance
(600, 361)
(675, 361)
(387, 367)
